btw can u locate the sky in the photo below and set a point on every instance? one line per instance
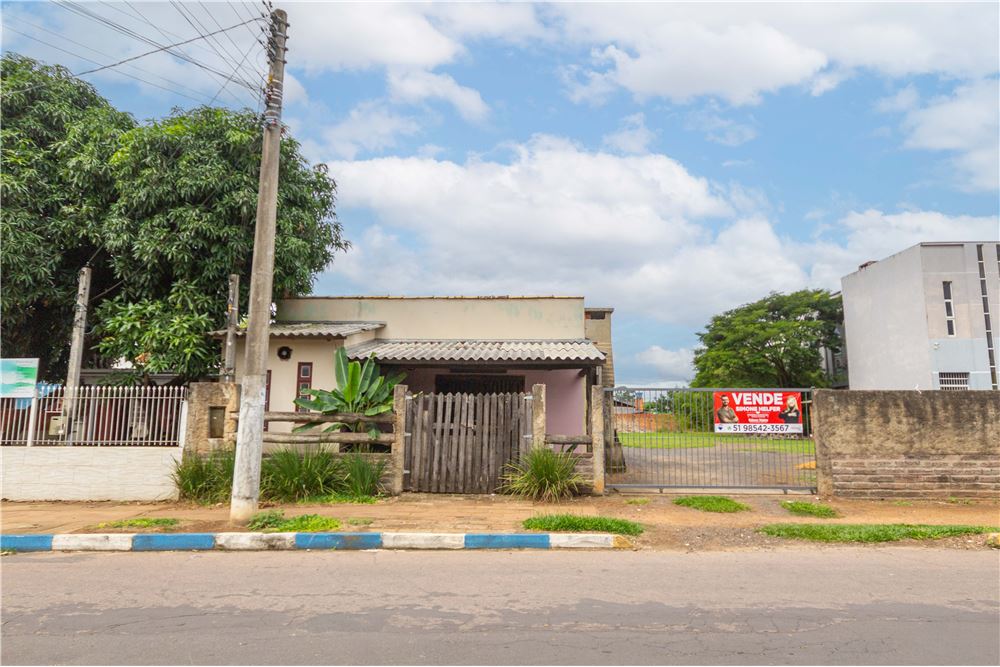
(669, 160)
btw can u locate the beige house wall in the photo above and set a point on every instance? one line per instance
(599, 331)
(446, 318)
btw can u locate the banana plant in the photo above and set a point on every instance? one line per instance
(361, 389)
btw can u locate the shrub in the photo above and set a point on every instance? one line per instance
(288, 475)
(362, 475)
(820, 532)
(802, 508)
(543, 474)
(711, 504)
(582, 524)
(206, 479)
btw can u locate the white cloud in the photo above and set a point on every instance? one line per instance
(632, 136)
(739, 51)
(967, 124)
(904, 99)
(669, 365)
(368, 127)
(720, 130)
(415, 86)
(874, 235)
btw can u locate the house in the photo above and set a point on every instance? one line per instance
(446, 344)
(925, 318)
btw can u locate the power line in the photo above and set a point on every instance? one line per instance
(221, 51)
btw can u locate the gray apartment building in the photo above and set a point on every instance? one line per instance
(925, 318)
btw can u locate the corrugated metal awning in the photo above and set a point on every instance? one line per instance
(311, 329)
(480, 351)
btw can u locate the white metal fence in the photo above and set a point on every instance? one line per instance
(94, 416)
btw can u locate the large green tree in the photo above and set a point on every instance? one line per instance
(773, 342)
(163, 212)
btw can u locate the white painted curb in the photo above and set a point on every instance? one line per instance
(423, 540)
(581, 541)
(254, 541)
(97, 542)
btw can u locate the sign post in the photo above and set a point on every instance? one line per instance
(755, 411)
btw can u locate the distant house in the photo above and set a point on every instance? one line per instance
(446, 344)
(925, 318)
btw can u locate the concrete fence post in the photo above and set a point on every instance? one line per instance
(399, 440)
(597, 436)
(824, 466)
(538, 415)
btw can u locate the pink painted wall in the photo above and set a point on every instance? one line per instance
(565, 394)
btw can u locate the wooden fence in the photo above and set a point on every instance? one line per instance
(460, 443)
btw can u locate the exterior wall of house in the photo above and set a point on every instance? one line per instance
(447, 318)
(895, 320)
(597, 327)
(565, 394)
(89, 473)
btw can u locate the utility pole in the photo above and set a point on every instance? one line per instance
(76, 352)
(249, 438)
(232, 320)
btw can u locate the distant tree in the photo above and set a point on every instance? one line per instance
(773, 342)
(162, 212)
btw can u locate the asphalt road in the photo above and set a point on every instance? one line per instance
(798, 605)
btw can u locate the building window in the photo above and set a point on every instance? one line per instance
(267, 395)
(953, 381)
(949, 308)
(990, 352)
(303, 381)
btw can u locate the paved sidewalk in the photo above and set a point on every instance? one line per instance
(667, 525)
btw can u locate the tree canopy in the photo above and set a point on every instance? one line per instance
(162, 211)
(773, 342)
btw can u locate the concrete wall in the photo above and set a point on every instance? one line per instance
(202, 398)
(599, 331)
(430, 318)
(89, 473)
(907, 443)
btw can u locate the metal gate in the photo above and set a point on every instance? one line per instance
(460, 443)
(666, 438)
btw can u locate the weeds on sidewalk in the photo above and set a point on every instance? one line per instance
(802, 508)
(637, 501)
(868, 533)
(543, 474)
(582, 524)
(711, 504)
(274, 521)
(141, 522)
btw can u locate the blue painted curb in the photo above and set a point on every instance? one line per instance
(173, 541)
(507, 541)
(332, 541)
(338, 540)
(26, 542)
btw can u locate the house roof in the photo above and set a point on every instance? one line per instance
(480, 351)
(311, 329)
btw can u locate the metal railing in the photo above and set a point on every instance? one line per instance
(94, 416)
(670, 438)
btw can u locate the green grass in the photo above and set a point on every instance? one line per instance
(361, 522)
(959, 501)
(582, 524)
(542, 474)
(802, 508)
(698, 439)
(274, 521)
(868, 533)
(902, 503)
(142, 522)
(711, 504)
(338, 499)
(637, 501)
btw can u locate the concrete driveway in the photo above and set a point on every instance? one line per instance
(831, 606)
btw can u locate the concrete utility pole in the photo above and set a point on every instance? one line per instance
(76, 351)
(232, 320)
(249, 438)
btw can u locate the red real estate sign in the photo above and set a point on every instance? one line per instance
(758, 412)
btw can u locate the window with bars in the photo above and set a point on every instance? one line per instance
(953, 381)
(303, 382)
(949, 308)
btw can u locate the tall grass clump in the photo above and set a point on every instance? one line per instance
(543, 474)
(362, 475)
(207, 479)
(287, 475)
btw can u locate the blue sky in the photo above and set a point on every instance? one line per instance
(670, 160)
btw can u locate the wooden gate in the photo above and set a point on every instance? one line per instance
(460, 443)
